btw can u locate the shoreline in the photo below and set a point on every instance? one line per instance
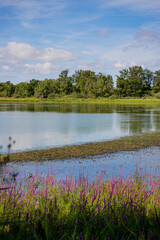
(129, 143)
(70, 100)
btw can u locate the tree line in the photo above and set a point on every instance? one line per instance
(132, 82)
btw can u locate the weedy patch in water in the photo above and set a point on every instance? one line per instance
(4, 160)
(131, 143)
(42, 208)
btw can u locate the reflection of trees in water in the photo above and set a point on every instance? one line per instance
(137, 123)
(79, 108)
(156, 119)
(125, 119)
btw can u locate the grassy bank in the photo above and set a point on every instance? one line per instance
(90, 149)
(39, 208)
(68, 99)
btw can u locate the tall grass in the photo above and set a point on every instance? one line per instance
(71, 99)
(42, 208)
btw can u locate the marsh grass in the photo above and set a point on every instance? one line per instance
(70, 99)
(131, 143)
(42, 208)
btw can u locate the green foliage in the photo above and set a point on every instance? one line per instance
(64, 83)
(134, 81)
(32, 85)
(104, 85)
(42, 208)
(51, 95)
(88, 84)
(113, 97)
(44, 88)
(6, 89)
(85, 83)
(156, 85)
(158, 95)
(22, 90)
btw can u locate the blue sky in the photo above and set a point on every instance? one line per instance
(40, 38)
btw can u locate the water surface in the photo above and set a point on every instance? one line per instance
(36, 126)
(124, 163)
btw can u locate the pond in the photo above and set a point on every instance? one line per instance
(36, 126)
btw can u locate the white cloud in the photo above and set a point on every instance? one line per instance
(84, 66)
(52, 54)
(132, 45)
(19, 52)
(6, 68)
(145, 39)
(30, 9)
(133, 56)
(87, 53)
(141, 5)
(41, 68)
(153, 63)
(147, 36)
(121, 65)
(102, 32)
(97, 65)
(26, 25)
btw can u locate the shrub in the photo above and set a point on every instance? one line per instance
(158, 95)
(51, 96)
(114, 97)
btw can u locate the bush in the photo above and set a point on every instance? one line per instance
(158, 95)
(114, 97)
(51, 96)
(147, 96)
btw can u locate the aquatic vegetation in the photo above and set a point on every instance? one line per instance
(39, 207)
(129, 143)
(71, 99)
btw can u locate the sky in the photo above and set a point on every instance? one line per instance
(39, 39)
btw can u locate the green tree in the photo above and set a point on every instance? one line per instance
(22, 90)
(44, 88)
(85, 82)
(6, 89)
(64, 83)
(156, 82)
(104, 86)
(32, 85)
(90, 84)
(122, 83)
(79, 81)
(148, 80)
(134, 82)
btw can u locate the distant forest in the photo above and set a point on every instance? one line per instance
(132, 82)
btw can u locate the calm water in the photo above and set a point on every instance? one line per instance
(124, 163)
(48, 125)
